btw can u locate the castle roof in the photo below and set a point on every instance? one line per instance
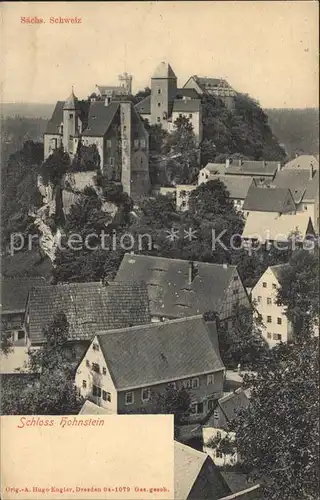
(164, 70)
(70, 103)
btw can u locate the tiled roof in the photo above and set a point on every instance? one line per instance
(90, 408)
(269, 199)
(88, 307)
(144, 107)
(14, 293)
(187, 105)
(233, 403)
(299, 182)
(189, 93)
(164, 70)
(270, 226)
(238, 187)
(278, 270)
(100, 118)
(159, 352)
(251, 167)
(216, 168)
(56, 119)
(169, 290)
(303, 162)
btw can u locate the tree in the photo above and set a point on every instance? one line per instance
(278, 435)
(242, 343)
(86, 159)
(53, 392)
(54, 167)
(140, 95)
(226, 445)
(299, 293)
(174, 402)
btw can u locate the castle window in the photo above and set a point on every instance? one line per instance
(136, 143)
(108, 144)
(158, 119)
(111, 161)
(71, 115)
(190, 115)
(159, 91)
(159, 104)
(143, 143)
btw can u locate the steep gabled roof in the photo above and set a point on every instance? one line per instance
(147, 355)
(264, 199)
(303, 162)
(299, 182)
(238, 186)
(88, 307)
(144, 107)
(14, 293)
(232, 403)
(169, 290)
(56, 119)
(163, 70)
(100, 118)
(187, 105)
(270, 226)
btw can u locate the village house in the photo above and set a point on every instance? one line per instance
(88, 307)
(268, 228)
(14, 294)
(237, 186)
(264, 295)
(179, 288)
(114, 128)
(218, 426)
(167, 103)
(112, 91)
(269, 199)
(217, 87)
(125, 370)
(303, 182)
(196, 476)
(261, 171)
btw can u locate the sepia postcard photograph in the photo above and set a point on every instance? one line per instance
(159, 250)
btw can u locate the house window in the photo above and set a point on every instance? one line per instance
(111, 161)
(195, 383)
(143, 143)
(128, 398)
(277, 336)
(269, 319)
(106, 396)
(96, 391)
(70, 137)
(95, 347)
(218, 434)
(180, 115)
(87, 363)
(186, 384)
(84, 384)
(216, 415)
(279, 321)
(96, 367)
(190, 115)
(235, 292)
(136, 143)
(210, 404)
(269, 335)
(219, 454)
(264, 284)
(71, 115)
(259, 298)
(104, 370)
(274, 286)
(145, 394)
(109, 144)
(210, 379)
(20, 334)
(269, 301)
(158, 119)
(172, 385)
(124, 143)
(159, 104)
(235, 278)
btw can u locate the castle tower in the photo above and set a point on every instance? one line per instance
(70, 125)
(163, 93)
(125, 81)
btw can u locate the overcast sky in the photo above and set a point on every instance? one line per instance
(267, 49)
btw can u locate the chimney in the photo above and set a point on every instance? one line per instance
(240, 163)
(227, 162)
(279, 167)
(311, 172)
